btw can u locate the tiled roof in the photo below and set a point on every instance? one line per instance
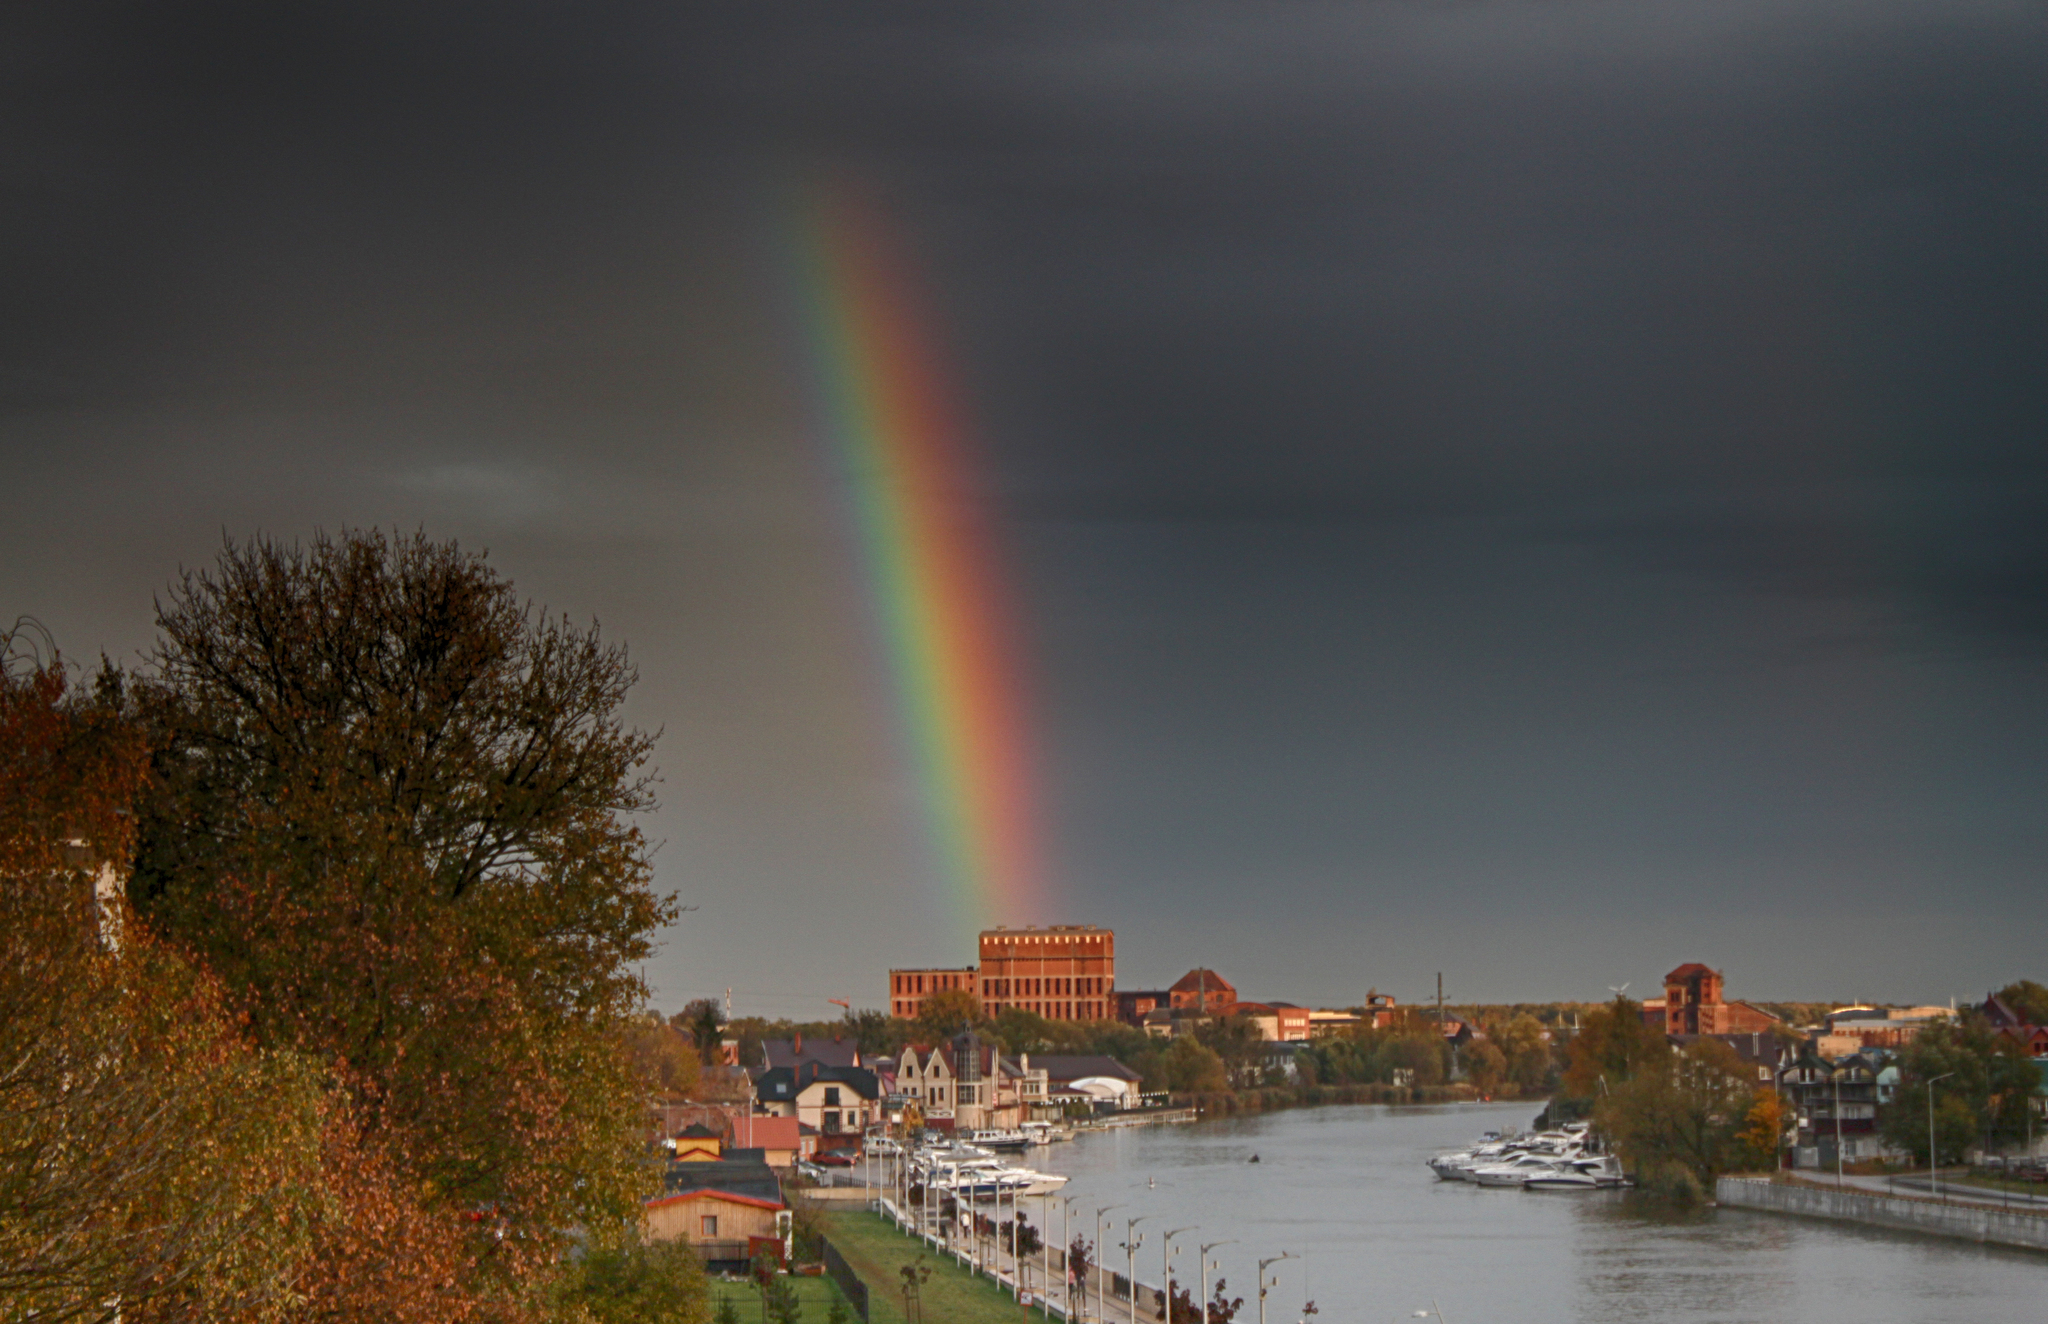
(828, 1052)
(748, 1179)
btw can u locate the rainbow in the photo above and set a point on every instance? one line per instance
(901, 459)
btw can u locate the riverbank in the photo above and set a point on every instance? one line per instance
(1274, 1098)
(1966, 1221)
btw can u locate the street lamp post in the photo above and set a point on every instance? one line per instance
(1066, 1257)
(1263, 1284)
(1203, 1256)
(1101, 1310)
(1131, 1244)
(1837, 1074)
(1166, 1272)
(1933, 1166)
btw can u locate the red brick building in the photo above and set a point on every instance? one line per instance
(1066, 972)
(909, 988)
(1063, 973)
(1203, 992)
(1693, 1004)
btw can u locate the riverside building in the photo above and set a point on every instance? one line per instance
(1064, 972)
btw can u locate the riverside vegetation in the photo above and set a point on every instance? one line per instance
(358, 1042)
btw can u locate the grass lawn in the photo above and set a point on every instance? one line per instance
(876, 1250)
(816, 1295)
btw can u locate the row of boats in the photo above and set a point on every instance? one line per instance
(974, 1171)
(1558, 1160)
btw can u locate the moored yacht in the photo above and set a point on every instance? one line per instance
(1516, 1171)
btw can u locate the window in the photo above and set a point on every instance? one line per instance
(832, 1122)
(831, 1096)
(707, 1226)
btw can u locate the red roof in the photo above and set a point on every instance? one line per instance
(1201, 978)
(1688, 970)
(713, 1193)
(752, 1132)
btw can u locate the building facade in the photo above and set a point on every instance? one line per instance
(1693, 1004)
(909, 988)
(1065, 972)
(966, 1085)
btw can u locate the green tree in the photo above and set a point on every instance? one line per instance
(2027, 998)
(1526, 1046)
(631, 1280)
(1237, 1042)
(1983, 1083)
(1687, 1113)
(1423, 1055)
(1023, 1031)
(1185, 1066)
(391, 810)
(1486, 1066)
(946, 1013)
(1610, 1049)
(703, 1020)
(662, 1056)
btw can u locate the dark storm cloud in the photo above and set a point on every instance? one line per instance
(1581, 450)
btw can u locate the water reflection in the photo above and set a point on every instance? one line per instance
(1346, 1188)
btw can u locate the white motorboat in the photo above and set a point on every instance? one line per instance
(1585, 1173)
(1458, 1164)
(1000, 1140)
(1516, 1171)
(1010, 1182)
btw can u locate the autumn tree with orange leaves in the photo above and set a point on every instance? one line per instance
(390, 808)
(153, 1164)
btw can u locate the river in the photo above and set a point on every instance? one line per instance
(1380, 1238)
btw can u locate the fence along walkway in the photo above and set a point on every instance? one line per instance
(849, 1282)
(993, 1263)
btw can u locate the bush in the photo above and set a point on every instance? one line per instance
(1673, 1184)
(633, 1281)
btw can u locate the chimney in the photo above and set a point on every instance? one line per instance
(797, 1043)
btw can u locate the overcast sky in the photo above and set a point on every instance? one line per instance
(1541, 490)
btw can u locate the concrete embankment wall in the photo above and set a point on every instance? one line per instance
(1969, 1222)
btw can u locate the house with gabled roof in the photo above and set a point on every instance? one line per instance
(728, 1209)
(967, 1085)
(838, 1101)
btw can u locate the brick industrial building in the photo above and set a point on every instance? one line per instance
(1066, 972)
(1693, 1004)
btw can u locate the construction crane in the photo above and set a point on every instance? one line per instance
(842, 1004)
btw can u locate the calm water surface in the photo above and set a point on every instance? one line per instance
(1346, 1188)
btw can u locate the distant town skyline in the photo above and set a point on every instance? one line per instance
(1542, 494)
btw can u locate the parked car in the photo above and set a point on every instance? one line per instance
(833, 1158)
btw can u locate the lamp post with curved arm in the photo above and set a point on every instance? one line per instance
(1263, 1284)
(1203, 1256)
(1933, 1165)
(1131, 1244)
(1066, 1258)
(1166, 1272)
(1101, 1310)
